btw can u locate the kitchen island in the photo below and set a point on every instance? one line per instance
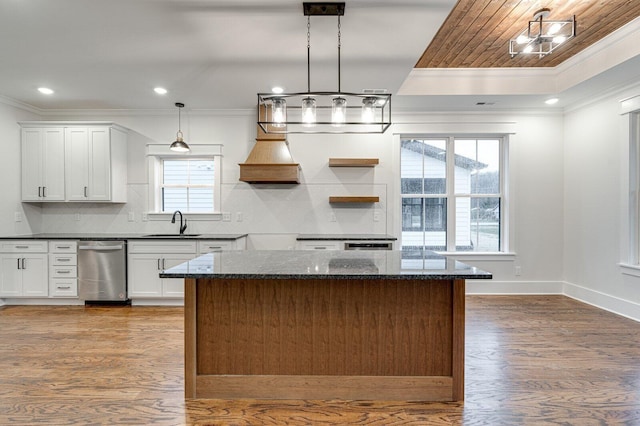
(383, 325)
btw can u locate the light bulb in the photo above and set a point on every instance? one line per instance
(522, 39)
(338, 111)
(554, 28)
(528, 49)
(279, 112)
(308, 112)
(559, 39)
(369, 110)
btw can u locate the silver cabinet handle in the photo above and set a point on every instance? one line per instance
(319, 248)
(43, 193)
(24, 265)
(85, 192)
(39, 191)
(158, 264)
(64, 287)
(18, 263)
(64, 272)
(62, 259)
(101, 248)
(163, 265)
(64, 247)
(22, 247)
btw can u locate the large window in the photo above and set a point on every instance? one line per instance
(188, 185)
(453, 193)
(186, 182)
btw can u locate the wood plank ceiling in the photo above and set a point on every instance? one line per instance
(476, 33)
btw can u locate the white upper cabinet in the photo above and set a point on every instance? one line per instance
(43, 164)
(89, 162)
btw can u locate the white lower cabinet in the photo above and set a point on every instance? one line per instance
(147, 258)
(23, 269)
(63, 269)
(144, 270)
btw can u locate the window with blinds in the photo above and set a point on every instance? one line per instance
(188, 185)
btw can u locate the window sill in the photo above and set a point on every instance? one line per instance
(494, 257)
(628, 269)
(161, 217)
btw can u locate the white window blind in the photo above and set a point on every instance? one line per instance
(188, 185)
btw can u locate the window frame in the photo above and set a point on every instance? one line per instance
(452, 197)
(157, 154)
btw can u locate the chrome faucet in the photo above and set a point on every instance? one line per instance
(182, 227)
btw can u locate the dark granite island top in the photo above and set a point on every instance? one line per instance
(314, 324)
(338, 264)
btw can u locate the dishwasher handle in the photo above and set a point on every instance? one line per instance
(101, 248)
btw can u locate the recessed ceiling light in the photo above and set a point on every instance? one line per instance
(277, 89)
(45, 90)
(551, 101)
(160, 90)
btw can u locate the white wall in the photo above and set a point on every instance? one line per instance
(595, 169)
(10, 175)
(274, 214)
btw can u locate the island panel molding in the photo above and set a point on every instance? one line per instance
(324, 338)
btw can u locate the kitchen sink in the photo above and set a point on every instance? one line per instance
(171, 235)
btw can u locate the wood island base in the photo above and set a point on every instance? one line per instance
(324, 338)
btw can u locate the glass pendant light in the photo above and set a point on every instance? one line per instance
(308, 111)
(369, 109)
(338, 111)
(279, 112)
(179, 145)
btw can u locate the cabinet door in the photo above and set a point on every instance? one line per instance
(35, 281)
(174, 287)
(31, 146)
(77, 160)
(10, 275)
(99, 164)
(143, 279)
(53, 165)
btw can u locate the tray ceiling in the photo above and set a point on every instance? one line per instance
(476, 33)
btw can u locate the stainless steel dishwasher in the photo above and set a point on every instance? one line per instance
(102, 271)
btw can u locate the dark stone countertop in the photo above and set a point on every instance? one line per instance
(346, 237)
(301, 264)
(108, 237)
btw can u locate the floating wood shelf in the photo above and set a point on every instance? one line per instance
(354, 199)
(353, 162)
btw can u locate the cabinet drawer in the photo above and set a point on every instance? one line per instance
(28, 246)
(151, 246)
(60, 287)
(63, 259)
(215, 245)
(63, 246)
(320, 245)
(63, 272)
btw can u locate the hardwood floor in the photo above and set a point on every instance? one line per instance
(529, 360)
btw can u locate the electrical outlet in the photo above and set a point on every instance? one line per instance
(332, 217)
(145, 217)
(376, 216)
(226, 217)
(132, 216)
(518, 270)
(77, 217)
(18, 216)
(239, 216)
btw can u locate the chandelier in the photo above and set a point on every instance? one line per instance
(542, 36)
(324, 112)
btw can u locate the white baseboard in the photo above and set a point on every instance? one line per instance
(604, 301)
(513, 287)
(42, 301)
